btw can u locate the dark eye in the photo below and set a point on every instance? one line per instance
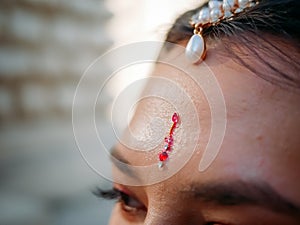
(214, 223)
(131, 207)
(129, 203)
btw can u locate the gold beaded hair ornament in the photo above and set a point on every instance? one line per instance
(211, 16)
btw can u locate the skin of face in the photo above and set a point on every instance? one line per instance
(261, 146)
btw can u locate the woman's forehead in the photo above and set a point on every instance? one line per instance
(250, 103)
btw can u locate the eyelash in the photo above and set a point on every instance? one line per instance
(121, 197)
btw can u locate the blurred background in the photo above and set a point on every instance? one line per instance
(45, 47)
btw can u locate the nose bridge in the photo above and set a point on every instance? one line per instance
(168, 206)
(170, 216)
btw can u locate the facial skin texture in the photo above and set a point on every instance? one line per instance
(261, 148)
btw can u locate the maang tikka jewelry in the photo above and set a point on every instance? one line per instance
(211, 16)
(169, 141)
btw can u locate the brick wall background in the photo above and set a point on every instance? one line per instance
(45, 46)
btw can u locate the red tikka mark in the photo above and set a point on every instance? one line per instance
(175, 118)
(169, 140)
(172, 129)
(164, 154)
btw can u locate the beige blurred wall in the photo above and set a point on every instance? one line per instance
(137, 20)
(45, 47)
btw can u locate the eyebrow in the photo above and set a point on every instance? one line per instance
(122, 164)
(233, 193)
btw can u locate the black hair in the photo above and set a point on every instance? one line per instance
(268, 32)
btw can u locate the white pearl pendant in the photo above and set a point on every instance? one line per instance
(228, 4)
(204, 15)
(195, 49)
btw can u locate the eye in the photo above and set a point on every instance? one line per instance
(213, 223)
(129, 203)
(216, 223)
